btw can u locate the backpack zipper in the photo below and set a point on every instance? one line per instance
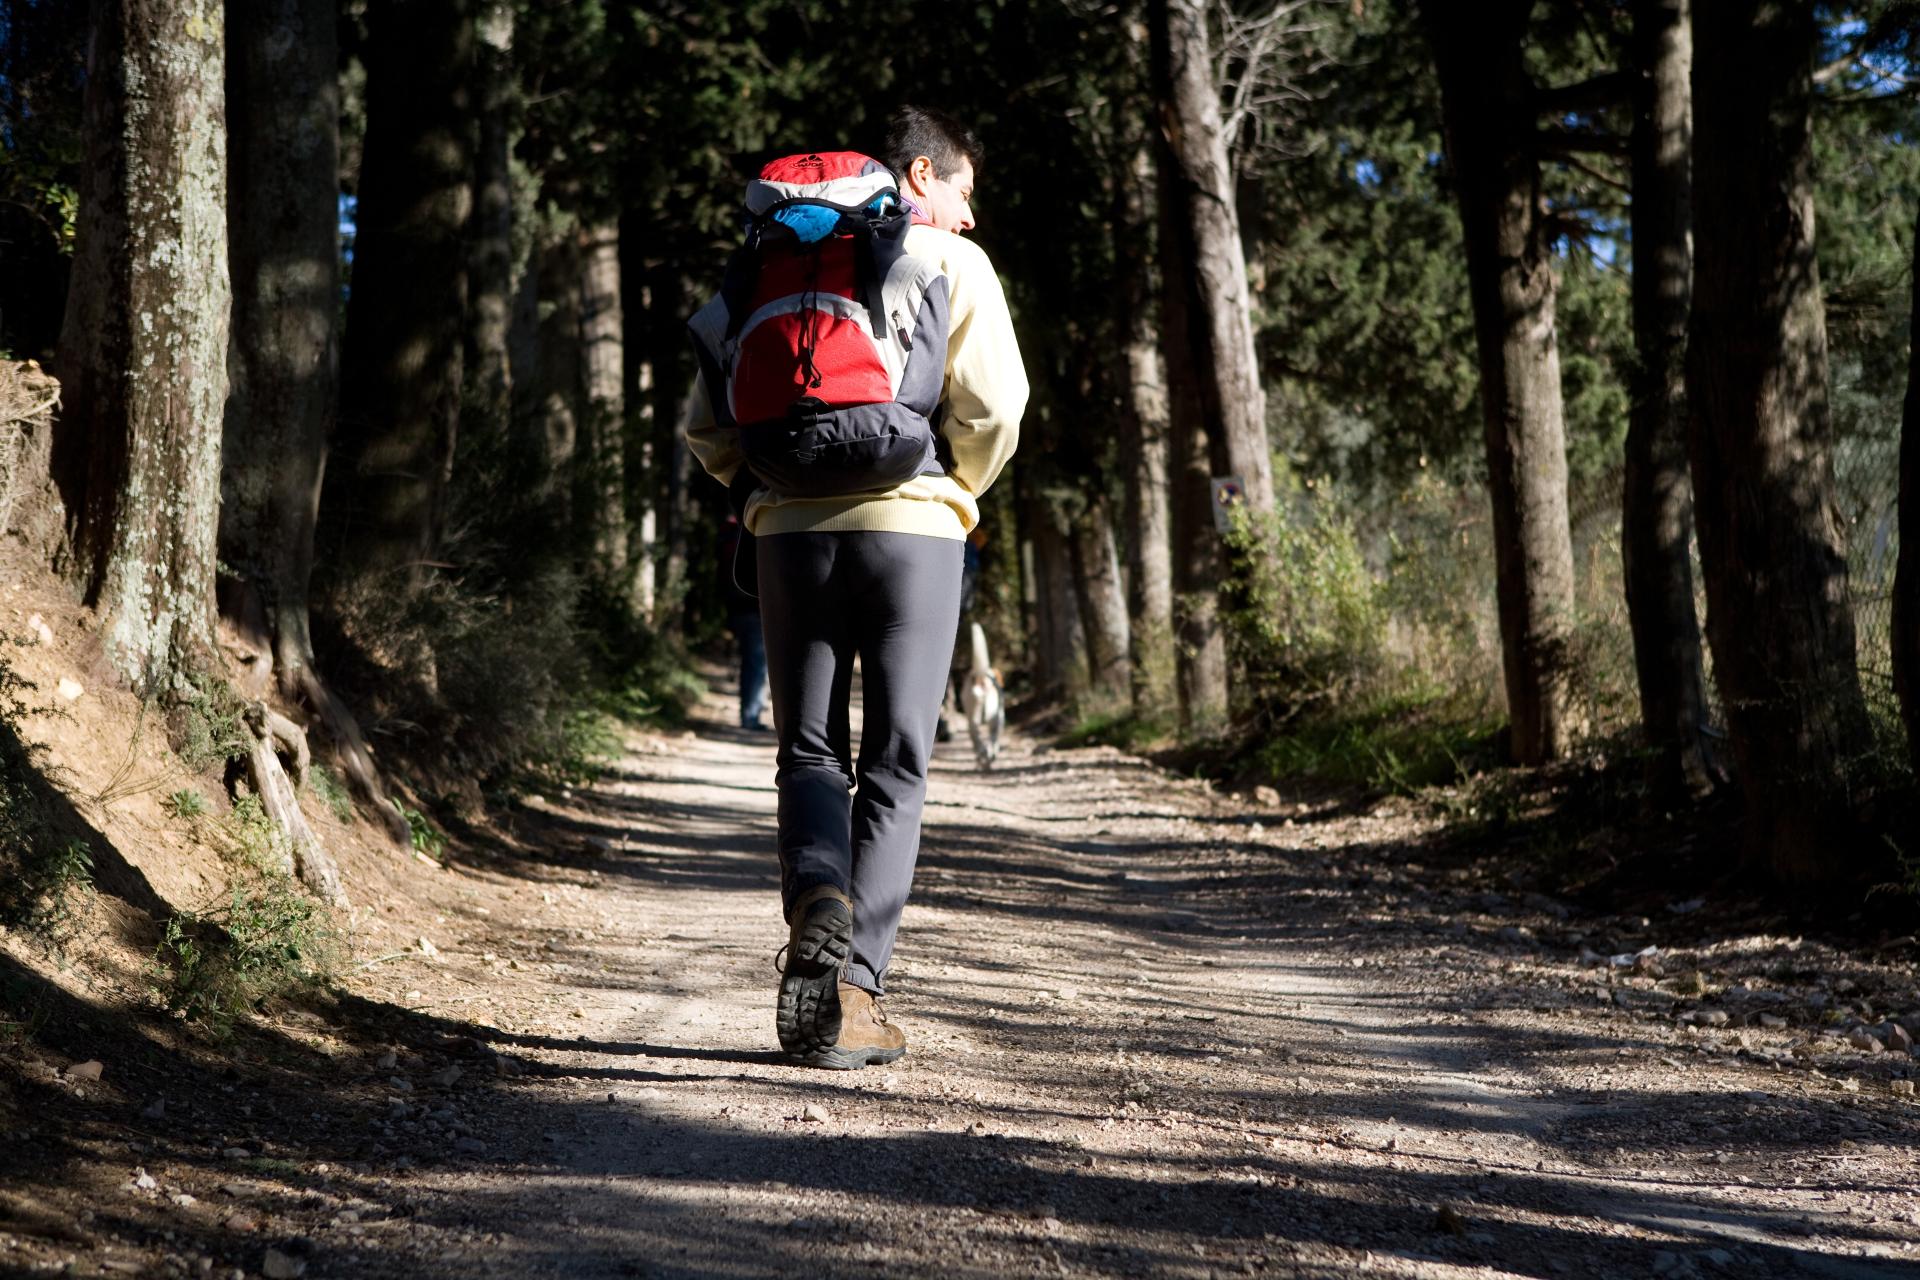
(900, 331)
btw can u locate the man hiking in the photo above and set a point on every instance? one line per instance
(863, 389)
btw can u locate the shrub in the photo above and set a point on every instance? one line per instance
(209, 724)
(186, 803)
(424, 836)
(264, 939)
(1306, 618)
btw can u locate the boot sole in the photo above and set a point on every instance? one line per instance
(807, 1016)
(848, 1059)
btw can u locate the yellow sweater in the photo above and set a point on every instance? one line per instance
(985, 394)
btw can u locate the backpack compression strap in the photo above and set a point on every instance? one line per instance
(806, 225)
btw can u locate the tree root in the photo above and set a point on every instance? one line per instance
(355, 758)
(307, 858)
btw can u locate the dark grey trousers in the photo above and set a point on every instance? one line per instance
(893, 599)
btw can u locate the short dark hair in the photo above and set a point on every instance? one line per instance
(913, 132)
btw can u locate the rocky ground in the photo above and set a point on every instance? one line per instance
(1155, 1031)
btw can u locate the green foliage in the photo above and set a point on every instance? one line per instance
(42, 901)
(1305, 617)
(425, 837)
(332, 792)
(1400, 743)
(262, 937)
(265, 938)
(42, 57)
(1121, 729)
(186, 803)
(209, 724)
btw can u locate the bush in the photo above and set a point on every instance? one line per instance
(1306, 619)
(209, 724)
(264, 939)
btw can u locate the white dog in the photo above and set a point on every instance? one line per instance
(981, 703)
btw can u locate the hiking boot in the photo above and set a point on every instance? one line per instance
(819, 940)
(866, 1037)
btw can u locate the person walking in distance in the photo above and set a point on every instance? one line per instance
(864, 388)
(743, 619)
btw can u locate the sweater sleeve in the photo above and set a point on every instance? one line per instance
(716, 447)
(986, 389)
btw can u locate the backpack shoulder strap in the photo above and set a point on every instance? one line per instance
(882, 243)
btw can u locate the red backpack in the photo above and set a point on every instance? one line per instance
(827, 344)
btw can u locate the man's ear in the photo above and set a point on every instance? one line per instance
(920, 175)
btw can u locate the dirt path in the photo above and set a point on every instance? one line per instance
(1152, 1034)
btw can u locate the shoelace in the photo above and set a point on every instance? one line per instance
(780, 958)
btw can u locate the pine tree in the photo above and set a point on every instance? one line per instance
(1779, 618)
(143, 349)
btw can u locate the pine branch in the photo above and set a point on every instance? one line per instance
(1568, 142)
(1609, 89)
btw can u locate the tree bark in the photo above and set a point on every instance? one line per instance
(1144, 441)
(1487, 104)
(682, 517)
(1760, 438)
(1657, 497)
(1102, 599)
(1906, 578)
(1200, 640)
(283, 229)
(403, 362)
(1218, 410)
(1060, 643)
(1205, 225)
(143, 349)
(600, 493)
(641, 441)
(489, 381)
(555, 390)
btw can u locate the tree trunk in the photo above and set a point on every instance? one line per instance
(600, 467)
(1906, 578)
(1205, 226)
(1102, 599)
(682, 516)
(556, 388)
(1217, 408)
(1657, 498)
(488, 405)
(1200, 639)
(1771, 544)
(1059, 669)
(143, 349)
(1487, 103)
(1144, 440)
(640, 437)
(283, 227)
(403, 363)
